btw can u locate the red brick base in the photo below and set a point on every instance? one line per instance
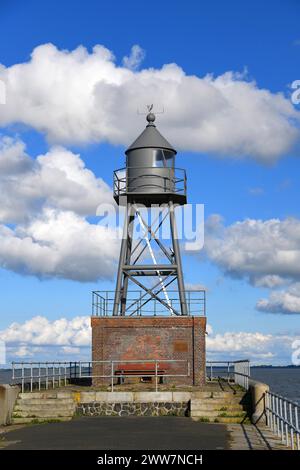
(138, 338)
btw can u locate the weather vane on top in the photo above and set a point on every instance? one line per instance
(150, 110)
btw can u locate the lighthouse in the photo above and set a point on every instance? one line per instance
(150, 178)
(150, 328)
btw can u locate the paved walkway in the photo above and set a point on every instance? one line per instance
(249, 437)
(138, 433)
(157, 433)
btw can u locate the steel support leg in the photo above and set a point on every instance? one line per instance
(177, 260)
(131, 217)
(123, 253)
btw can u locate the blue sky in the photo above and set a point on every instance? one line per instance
(238, 174)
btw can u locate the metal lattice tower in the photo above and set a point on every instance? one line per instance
(150, 178)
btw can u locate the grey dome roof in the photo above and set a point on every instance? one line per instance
(151, 138)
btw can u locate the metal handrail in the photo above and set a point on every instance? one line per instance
(283, 416)
(103, 301)
(121, 183)
(54, 373)
(41, 372)
(113, 362)
(235, 371)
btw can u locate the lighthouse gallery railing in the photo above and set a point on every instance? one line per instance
(165, 180)
(140, 304)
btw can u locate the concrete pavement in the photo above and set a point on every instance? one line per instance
(102, 433)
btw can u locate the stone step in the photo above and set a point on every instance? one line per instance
(45, 395)
(231, 419)
(216, 401)
(39, 420)
(221, 419)
(217, 413)
(216, 407)
(40, 401)
(44, 407)
(42, 413)
(218, 394)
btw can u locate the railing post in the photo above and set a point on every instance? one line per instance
(31, 377)
(291, 426)
(112, 376)
(23, 382)
(273, 414)
(156, 376)
(278, 419)
(297, 427)
(47, 376)
(281, 419)
(249, 374)
(266, 398)
(286, 426)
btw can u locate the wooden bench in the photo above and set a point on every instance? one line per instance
(139, 369)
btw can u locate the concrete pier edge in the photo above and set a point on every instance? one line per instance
(258, 392)
(8, 397)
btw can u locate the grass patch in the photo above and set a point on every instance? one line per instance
(203, 419)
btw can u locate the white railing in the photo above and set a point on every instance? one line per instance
(237, 372)
(45, 375)
(283, 417)
(116, 370)
(241, 373)
(40, 374)
(140, 303)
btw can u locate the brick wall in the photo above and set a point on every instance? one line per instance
(132, 338)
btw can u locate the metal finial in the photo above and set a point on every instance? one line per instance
(150, 116)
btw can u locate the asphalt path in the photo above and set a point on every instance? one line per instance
(119, 433)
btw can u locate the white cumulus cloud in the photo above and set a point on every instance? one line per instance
(45, 202)
(39, 331)
(282, 301)
(263, 251)
(136, 57)
(59, 244)
(57, 179)
(78, 97)
(256, 346)
(41, 339)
